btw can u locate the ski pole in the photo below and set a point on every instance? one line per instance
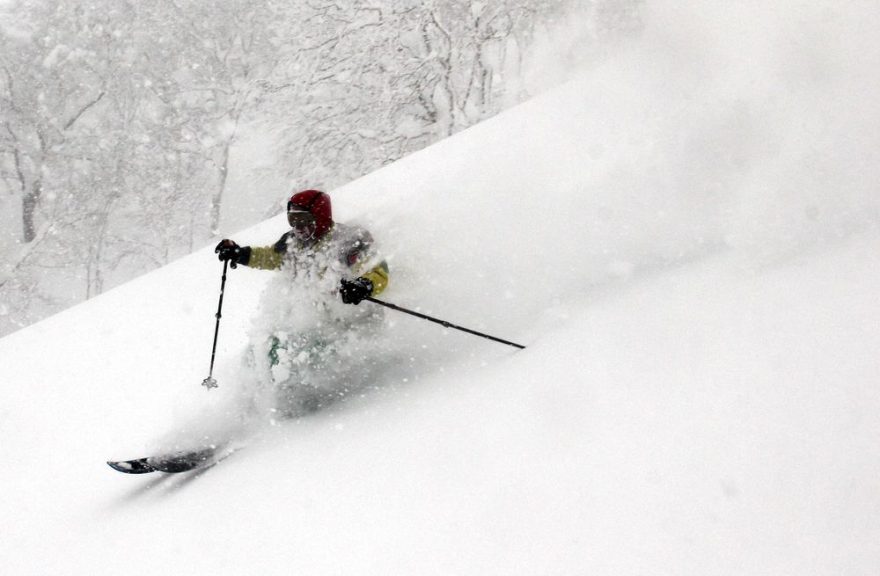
(443, 323)
(210, 382)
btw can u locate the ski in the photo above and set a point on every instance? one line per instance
(173, 463)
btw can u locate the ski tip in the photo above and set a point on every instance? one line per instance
(139, 466)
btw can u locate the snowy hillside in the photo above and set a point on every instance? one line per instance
(686, 238)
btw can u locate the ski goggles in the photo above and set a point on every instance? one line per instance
(300, 218)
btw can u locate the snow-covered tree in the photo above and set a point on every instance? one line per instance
(119, 118)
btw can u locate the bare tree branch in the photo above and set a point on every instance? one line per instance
(83, 110)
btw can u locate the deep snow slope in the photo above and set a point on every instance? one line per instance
(686, 239)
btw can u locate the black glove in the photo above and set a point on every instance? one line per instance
(353, 291)
(229, 250)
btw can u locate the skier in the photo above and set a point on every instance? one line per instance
(307, 342)
(315, 237)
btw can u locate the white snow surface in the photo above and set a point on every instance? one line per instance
(687, 244)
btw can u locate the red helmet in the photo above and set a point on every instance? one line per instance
(318, 204)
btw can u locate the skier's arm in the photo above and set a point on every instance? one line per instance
(370, 273)
(262, 257)
(365, 265)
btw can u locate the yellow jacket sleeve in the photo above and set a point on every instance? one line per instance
(379, 278)
(265, 258)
